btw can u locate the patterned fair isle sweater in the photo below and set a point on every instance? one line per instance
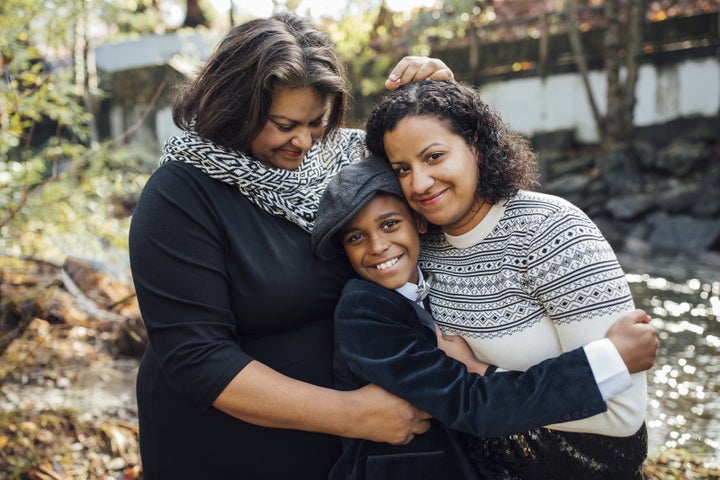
(534, 279)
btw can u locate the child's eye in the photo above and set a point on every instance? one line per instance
(390, 224)
(353, 238)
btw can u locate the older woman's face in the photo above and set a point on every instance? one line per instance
(296, 121)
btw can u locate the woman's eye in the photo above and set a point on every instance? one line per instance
(434, 156)
(399, 171)
(285, 128)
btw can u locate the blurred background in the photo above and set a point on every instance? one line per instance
(620, 98)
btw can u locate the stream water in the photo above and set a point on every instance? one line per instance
(683, 298)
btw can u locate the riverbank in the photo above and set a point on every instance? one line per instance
(68, 367)
(679, 266)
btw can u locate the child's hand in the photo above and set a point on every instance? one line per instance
(456, 347)
(635, 340)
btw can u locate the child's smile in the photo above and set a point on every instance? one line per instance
(382, 242)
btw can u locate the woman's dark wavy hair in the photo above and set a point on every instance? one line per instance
(229, 100)
(506, 160)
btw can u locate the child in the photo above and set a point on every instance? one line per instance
(384, 336)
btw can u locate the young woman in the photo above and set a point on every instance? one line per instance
(521, 276)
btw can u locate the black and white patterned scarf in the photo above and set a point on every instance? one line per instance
(291, 194)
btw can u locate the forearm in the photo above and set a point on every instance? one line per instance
(263, 396)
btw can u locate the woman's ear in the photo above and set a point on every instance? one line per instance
(420, 222)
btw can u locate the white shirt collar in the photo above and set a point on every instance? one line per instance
(409, 290)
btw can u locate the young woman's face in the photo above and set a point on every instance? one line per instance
(296, 120)
(438, 173)
(382, 242)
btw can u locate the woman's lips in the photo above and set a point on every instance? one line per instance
(428, 201)
(293, 153)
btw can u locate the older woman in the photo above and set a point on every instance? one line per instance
(236, 380)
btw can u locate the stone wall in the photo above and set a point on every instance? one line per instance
(664, 199)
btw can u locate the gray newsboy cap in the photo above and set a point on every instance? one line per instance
(348, 192)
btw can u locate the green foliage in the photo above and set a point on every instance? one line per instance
(82, 210)
(352, 35)
(62, 194)
(129, 17)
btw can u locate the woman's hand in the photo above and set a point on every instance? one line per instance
(263, 396)
(384, 417)
(415, 69)
(456, 347)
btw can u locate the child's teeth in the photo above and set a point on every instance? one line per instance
(387, 264)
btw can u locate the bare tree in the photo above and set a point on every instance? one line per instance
(622, 49)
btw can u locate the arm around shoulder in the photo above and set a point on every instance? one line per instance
(389, 352)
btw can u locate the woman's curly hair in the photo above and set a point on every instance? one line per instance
(506, 160)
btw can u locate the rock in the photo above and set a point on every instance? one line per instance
(680, 199)
(683, 233)
(707, 202)
(645, 154)
(681, 157)
(631, 206)
(567, 185)
(558, 140)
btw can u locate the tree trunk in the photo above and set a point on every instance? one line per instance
(581, 62)
(614, 124)
(194, 16)
(636, 21)
(623, 46)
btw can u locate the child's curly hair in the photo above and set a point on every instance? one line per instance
(506, 160)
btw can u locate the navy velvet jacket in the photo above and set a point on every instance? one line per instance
(380, 338)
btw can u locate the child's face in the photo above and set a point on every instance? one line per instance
(438, 172)
(382, 242)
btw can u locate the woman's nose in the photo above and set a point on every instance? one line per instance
(303, 138)
(421, 180)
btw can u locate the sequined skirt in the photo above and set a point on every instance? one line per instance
(545, 454)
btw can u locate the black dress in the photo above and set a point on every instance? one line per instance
(220, 283)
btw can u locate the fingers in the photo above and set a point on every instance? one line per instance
(415, 69)
(420, 428)
(424, 416)
(639, 316)
(442, 74)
